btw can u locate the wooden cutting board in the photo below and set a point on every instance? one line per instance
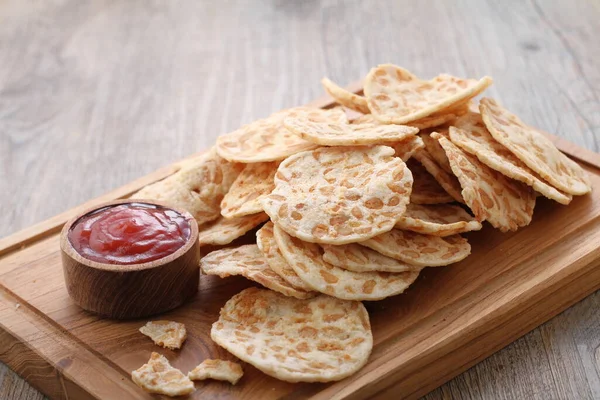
(450, 319)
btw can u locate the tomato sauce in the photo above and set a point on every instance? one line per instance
(129, 233)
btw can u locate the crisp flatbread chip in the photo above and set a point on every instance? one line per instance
(251, 185)
(470, 134)
(396, 96)
(345, 98)
(420, 250)
(268, 140)
(220, 370)
(322, 339)
(198, 187)
(423, 123)
(158, 376)
(437, 220)
(167, 334)
(355, 257)
(407, 147)
(435, 150)
(339, 195)
(534, 149)
(226, 230)
(505, 203)
(248, 261)
(265, 240)
(336, 134)
(446, 180)
(426, 190)
(307, 260)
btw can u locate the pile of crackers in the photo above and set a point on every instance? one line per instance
(352, 203)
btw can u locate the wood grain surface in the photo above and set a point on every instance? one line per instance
(96, 94)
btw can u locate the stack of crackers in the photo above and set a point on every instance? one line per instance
(352, 203)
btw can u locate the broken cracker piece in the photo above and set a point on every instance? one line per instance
(220, 370)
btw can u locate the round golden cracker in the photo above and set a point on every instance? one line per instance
(248, 261)
(435, 150)
(396, 96)
(437, 220)
(268, 140)
(345, 98)
(265, 241)
(505, 203)
(335, 134)
(426, 190)
(339, 195)
(198, 187)
(317, 340)
(534, 149)
(226, 230)
(407, 147)
(355, 257)
(307, 260)
(470, 134)
(158, 376)
(420, 250)
(167, 334)
(251, 185)
(446, 180)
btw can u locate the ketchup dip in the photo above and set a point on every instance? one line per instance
(129, 233)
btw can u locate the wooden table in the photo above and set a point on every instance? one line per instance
(95, 94)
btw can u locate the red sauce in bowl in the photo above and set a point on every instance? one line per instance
(129, 233)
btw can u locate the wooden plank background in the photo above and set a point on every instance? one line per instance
(95, 94)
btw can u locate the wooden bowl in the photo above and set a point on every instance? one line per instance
(135, 290)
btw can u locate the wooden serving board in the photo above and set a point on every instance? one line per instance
(450, 319)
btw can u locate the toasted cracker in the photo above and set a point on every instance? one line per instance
(446, 180)
(420, 250)
(396, 96)
(470, 134)
(220, 370)
(158, 376)
(317, 340)
(268, 140)
(307, 260)
(226, 230)
(248, 262)
(336, 134)
(265, 240)
(423, 123)
(167, 334)
(339, 195)
(437, 220)
(251, 185)
(345, 98)
(507, 204)
(355, 257)
(198, 187)
(426, 190)
(534, 149)
(407, 147)
(435, 150)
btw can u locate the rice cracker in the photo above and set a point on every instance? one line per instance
(158, 376)
(358, 258)
(248, 262)
(220, 370)
(446, 180)
(265, 240)
(420, 250)
(407, 147)
(307, 260)
(437, 220)
(505, 203)
(426, 190)
(322, 339)
(251, 185)
(435, 150)
(226, 230)
(396, 96)
(339, 195)
(167, 334)
(268, 140)
(534, 149)
(345, 98)
(470, 134)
